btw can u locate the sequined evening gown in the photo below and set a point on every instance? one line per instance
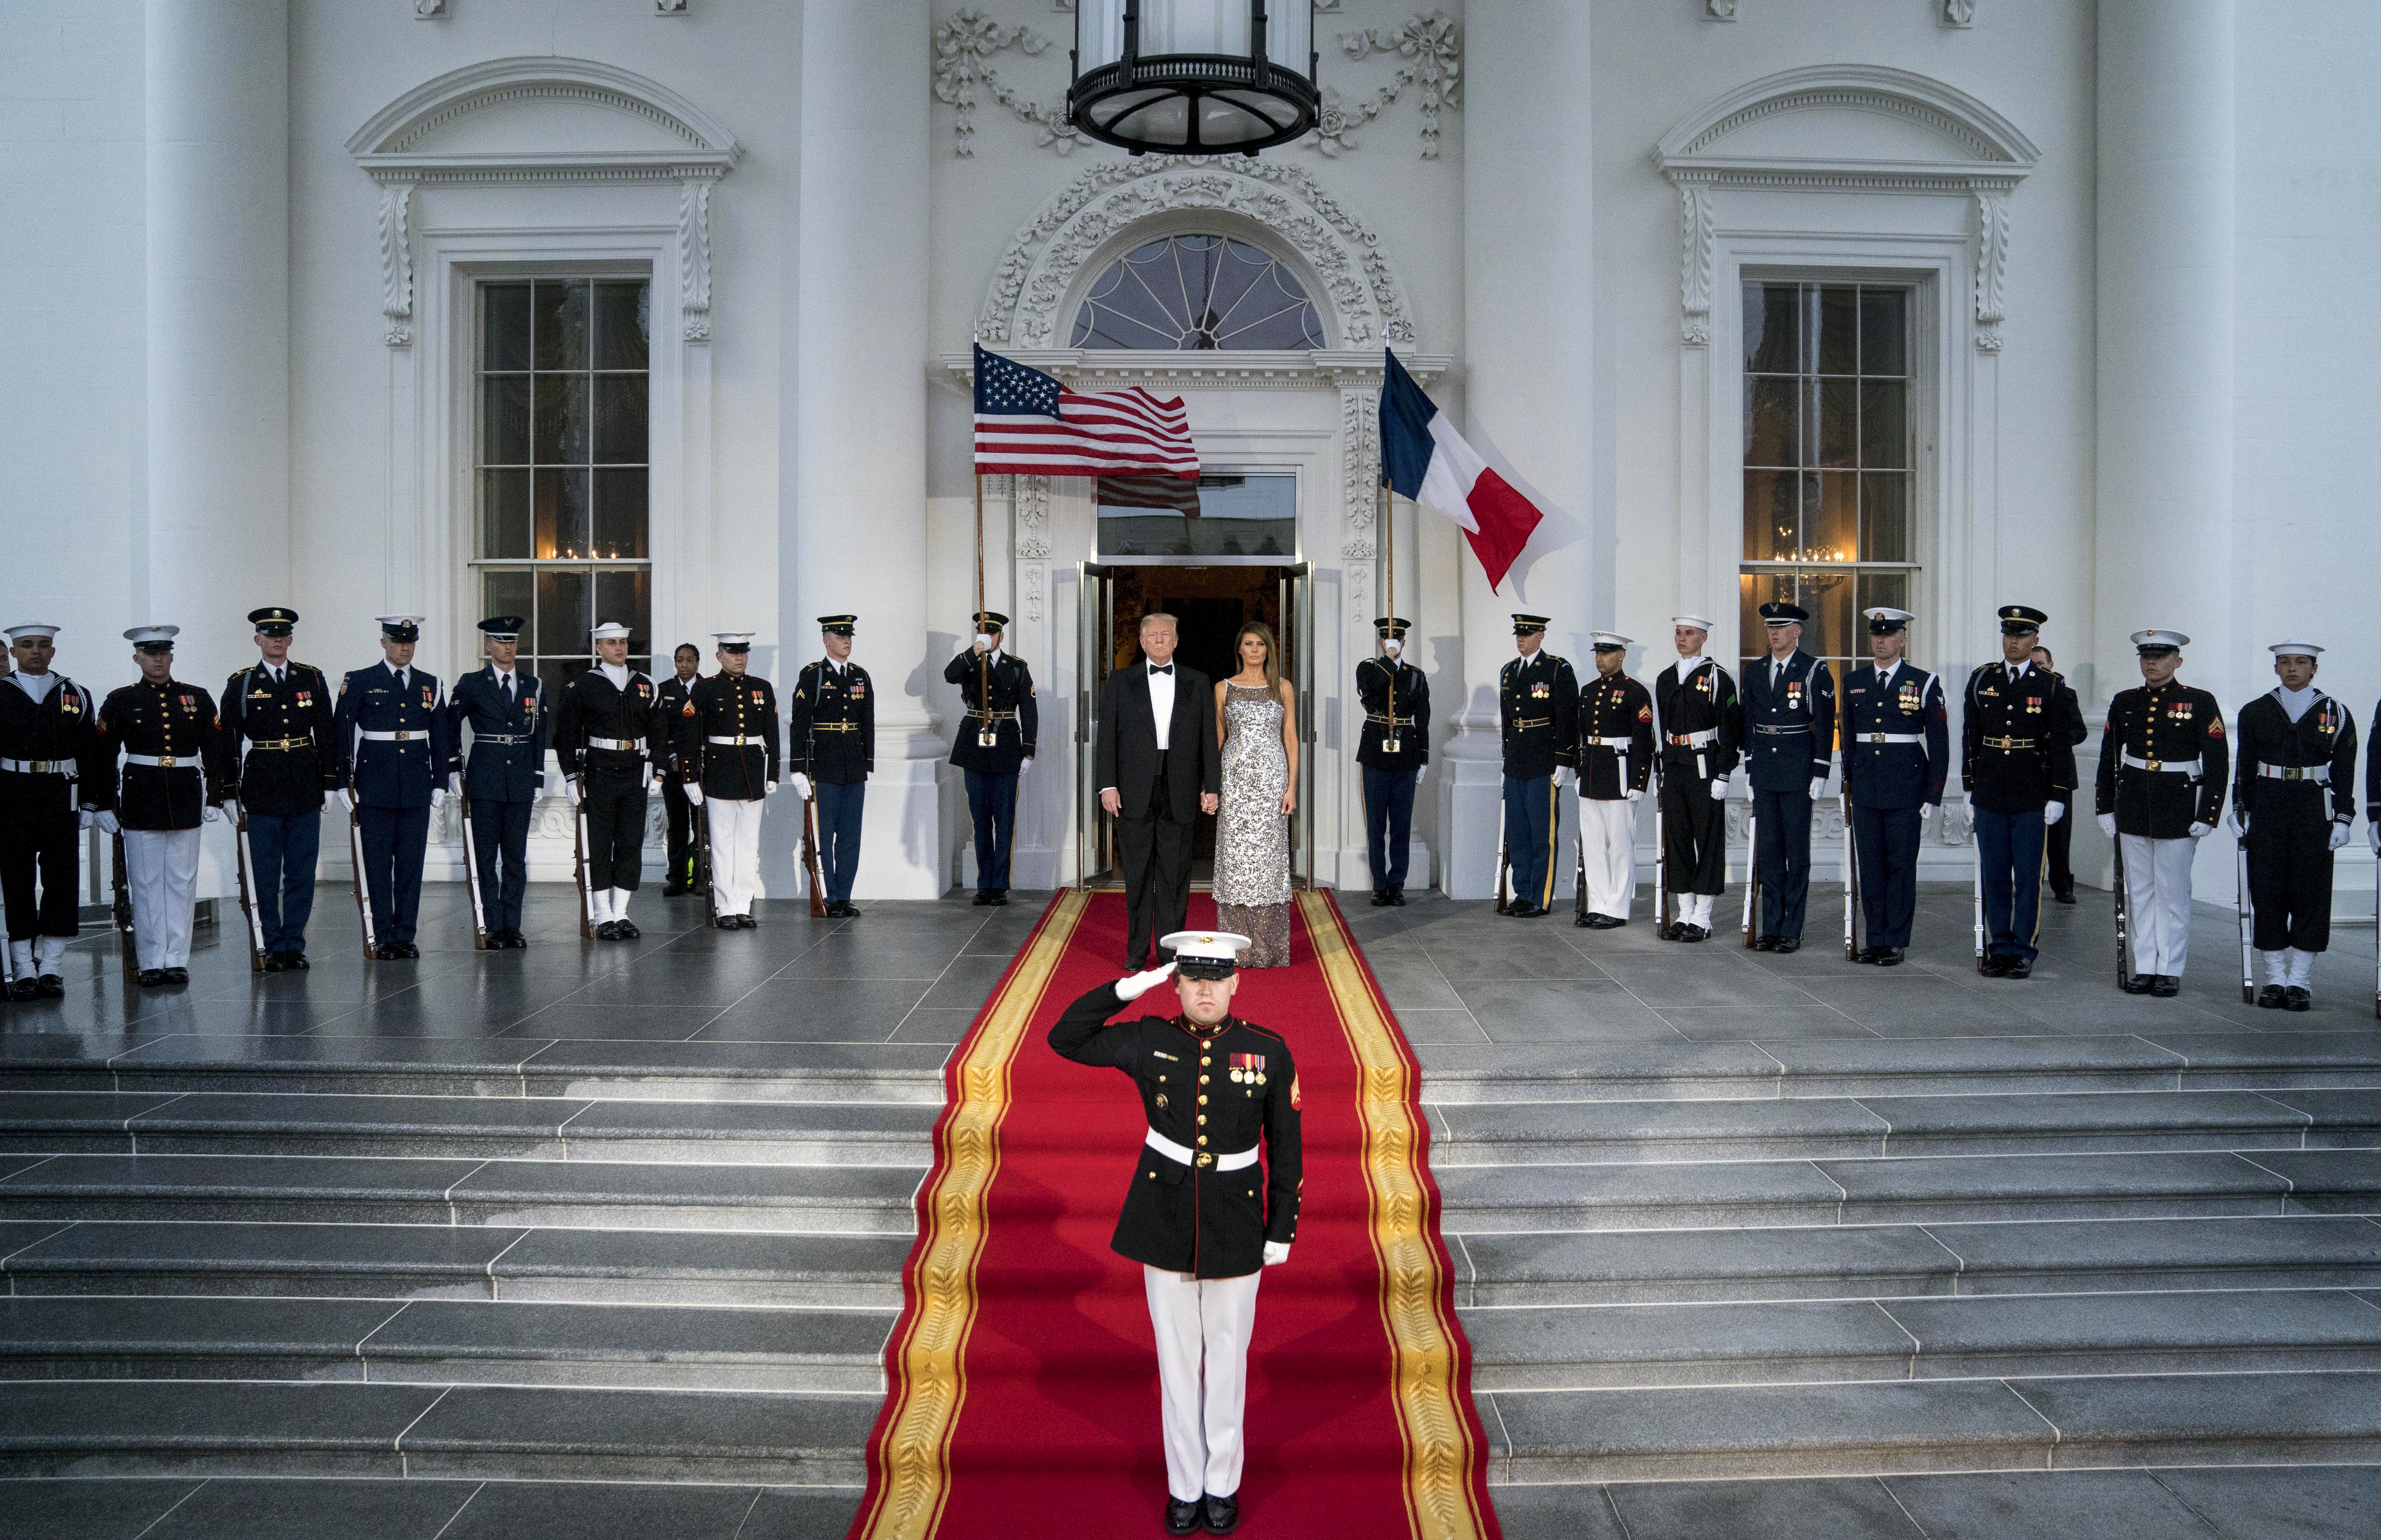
(1251, 836)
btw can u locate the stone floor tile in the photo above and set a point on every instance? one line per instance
(2196, 1419)
(802, 1513)
(590, 1018)
(1440, 1026)
(1849, 1507)
(1619, 1267)
(1570, 1348)
(1563, 1511)
(600, 1510)
(1567, 1011)
(93, 1510)
(2286, 1502)
(310, 1510)
(2072, 1505)
(1769, 1024)
(823, 1011)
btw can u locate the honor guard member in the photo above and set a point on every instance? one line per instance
(677, 812)
(280, 727)
(1537, 699)
(172, 780)
(1616, 762)
(2058, 845)
(993, 747)
(2163, 758)
(831, 733)
(1394, 750)
(2293, 798)
(48, 724)
(1790, 727)
(1896, 757)
(726, 740)
(395, 758)
(1200, 1216)
(604, 729)
(2017, 758)
(503, 773)
(1702, 724)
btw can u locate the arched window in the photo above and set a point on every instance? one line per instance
(1198, 293)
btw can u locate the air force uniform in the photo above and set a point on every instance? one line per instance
(2162, 759)
(280, 727)
(2017, 760)
(831, 741)
(503, 775)
(2294, 788)
(726, 753)
(172, 778)
(1393, 751)
(1789, 737)
(395, 755)
(1537, 704)
(998, 730)
(48, 727)
(1616, 763)
(1896, 757)
(1702, 724)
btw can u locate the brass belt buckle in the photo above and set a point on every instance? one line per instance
(164, 762)
(1206, 1159)
(2292, 773)
(1876, 737)
(1389, 745)
(988, 737)
(2155, 765)
(402, 736)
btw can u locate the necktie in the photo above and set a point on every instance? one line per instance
(507, 680)
(1161, 668)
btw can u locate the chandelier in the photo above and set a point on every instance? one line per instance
(1194, 77)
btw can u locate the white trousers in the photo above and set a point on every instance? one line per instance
(1202, 1329)
(735, 851)
(163, 867)
(1609, 832)
(2158, 903)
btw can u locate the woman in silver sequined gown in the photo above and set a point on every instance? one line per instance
(1253, 710)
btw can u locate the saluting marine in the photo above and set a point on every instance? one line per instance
(1702, 723)
(172, 780)
(725, 748)
(395, 758)
(994, 746)
(1616, 762)
(1393, 751)
(1537, 704)
(2018, 760)
(1201, 1218)
(1896, 757)
(604, 728)
(2293, 798)
(287, 715)
(2163, 758)
(831, 740)
(1790, 727)
(503, 775)
(48, 727)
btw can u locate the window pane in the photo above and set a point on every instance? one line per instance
(504, 433)
(562, 526)
(1832, 528)
(1772, 422)
(1838, 418)
(564, 606)
(504, 525)
(1885, 423)
(1838, 329)
(560, 434)
(1773, 524)
(626, 596)
(504, 326)
(508, 590)
(623, 324)
(620, 419)
(1773, 331)
(1885, 516)
(1828, 597)
(1197, 292)
(620, 514)
(1753, 591)
(1883, 324)
(560, 324)
(1890, 589)
(554, 674)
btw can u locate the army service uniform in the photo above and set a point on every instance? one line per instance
(2017, 758)
(47, 729)
(998, 728)
(395, 755)
(2294, 787)
(725, 738)
(280, 727)
(1896, 743)
(502, 777)
(1701, 723)
(1616, 763)
(1537, 705)
(1789, 737)
(2162, 759)
(831, 738)
(172, 776)
(1392, 750)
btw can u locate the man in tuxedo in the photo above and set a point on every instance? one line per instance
(1159, 767)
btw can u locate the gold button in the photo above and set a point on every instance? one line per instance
(1203, 1101)
(1203, 1139)
(1202, 1117)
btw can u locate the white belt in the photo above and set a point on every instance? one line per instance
(1888, 738)
(1182, 1154)
(1620, 744)
(164, 762)
(406, 736)
(1693, 740)
(754, 740)
(2319, 774)
(2160, 767)
(622, 745)
(40, 767)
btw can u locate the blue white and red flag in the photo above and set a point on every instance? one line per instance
(1028, 424)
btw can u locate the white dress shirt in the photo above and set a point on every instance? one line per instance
(39, 686)
(1161, 705)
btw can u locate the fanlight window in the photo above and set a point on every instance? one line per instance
(1197, 294)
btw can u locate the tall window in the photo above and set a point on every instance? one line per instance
(562, 466)
(1197, 293)
(1827, 415)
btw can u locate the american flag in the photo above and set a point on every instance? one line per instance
(1027, 422)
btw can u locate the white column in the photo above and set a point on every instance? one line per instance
(1528, 363)
(219, 324)
(857, 515)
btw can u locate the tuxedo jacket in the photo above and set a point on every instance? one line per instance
(1125, 754)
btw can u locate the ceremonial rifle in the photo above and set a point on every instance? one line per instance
(2243, 902)
(703, 864)
(363, 881)
(1976, 850)
(2124, 942)
(579, 862)
(1504, 863)
(1851, 881)
(809, 857)
(1751, 870)
(247, 893)
(126, 943)
(471, 874)
(1661, 850)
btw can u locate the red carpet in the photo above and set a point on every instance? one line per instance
(1023, 1389)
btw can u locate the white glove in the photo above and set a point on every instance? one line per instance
(1141, 983)
(345, 797)
(2201, 831)
(802, 786)
(231, 811)
(2339, 834)
(1631, 795)
(2238, 819)
(454, 782)
(1562, 777)
(982, 642)
(86, 818)
(1968, 813)
(2052, 812)
(1926, 808)
(107, 824)
(653, 778)
(768, 790)
(437, 798)
(1024, 764)
(2373, 836)
(1393, 647)
(1818, 787)
(211, 814)
(694, 794)
(1720, 788)
(570, 784)
(1275, 1251)
(2107, 822)
(1420, 772)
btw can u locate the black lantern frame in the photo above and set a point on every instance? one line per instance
(1137, 102)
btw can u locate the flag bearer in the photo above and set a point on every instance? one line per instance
(2293, 798)
(994, 746)
(1702, 724)
(1896, 757)
(831, 733)
(2162, 756)
(1393, 748)
(677, 812)
(2017, 760)
(504, 774)
(603, 729)
(1200, 1216)
(285, 715)
(1789, 724)
(47, 726)
(1616, 762)
(1537, 700)
(395, 758)
(172, 780)
(726, 749)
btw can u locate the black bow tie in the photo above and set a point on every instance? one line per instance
(1161, 668)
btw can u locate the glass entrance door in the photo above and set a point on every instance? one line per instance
(1096, 862)
(1296, 584)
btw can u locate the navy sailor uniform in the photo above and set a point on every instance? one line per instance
(2294, 781)
(44, 743)
(1701, 722)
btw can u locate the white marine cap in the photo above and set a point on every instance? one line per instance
(1609, 638)
(1697, 621)
(151, 636)
(730, 638)
(2279, 649)
(1205, 954)
(2155, 641)
(1884, 619)
(606, 629)
(18, 632)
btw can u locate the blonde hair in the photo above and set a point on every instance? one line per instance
(1157, 616)
(1263, 633)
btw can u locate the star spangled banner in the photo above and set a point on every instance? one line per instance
(1027, 423)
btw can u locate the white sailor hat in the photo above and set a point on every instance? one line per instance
(157, 638)
(733, 641)
(606, 629)
(1205, 954)
(400, 628)
(2154, 641)
(1610, 641)
(16, 633)
(1884, 620)
(1697, 621)
(2279, 649)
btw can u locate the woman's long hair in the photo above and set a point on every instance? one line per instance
(1263, 633)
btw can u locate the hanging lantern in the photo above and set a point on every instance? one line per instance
(1194, 77)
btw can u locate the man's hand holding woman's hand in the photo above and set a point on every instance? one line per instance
(1133, 988)
(1209, 802)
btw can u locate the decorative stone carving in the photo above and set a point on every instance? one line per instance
(1958, 13)
(1031, 500)
(1035, 577)
(1719, 10)
(963, 48)
(1432, 48)
(397, 262)
(1991, 253)
(669, 8)
(694, 257)
(1694, 264)
(428, 11)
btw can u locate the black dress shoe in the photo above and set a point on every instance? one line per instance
(22, 989)
(983, 897)
(152, 977)
(1527, 912)
(1223, 1514)
(625, 930)
(177, 976)
(843, 910)
(1866, 954)
(1764, 943)
(1693, 933)
(49, 987)
(2298, 999)
(2270, 997)
(2137, 984)
(1380, 898)
(607, 931)
(1994, 966)
(2166, 986)
(1888, 957)
(1182, 1518)
(2064, 895)
(999, 896)
(1397, 898)
(2019, 967)
(298, 963)
(275, 963)
(1788, 945)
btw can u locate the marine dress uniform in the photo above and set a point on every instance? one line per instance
(502, 776)
(831, 743)
(1789, 737)
(1896, 757)
(726, 740)
(172, 778)
(48, 724)
(2017, 756)
(679, 814)
(1616, 762)
(1393, 751)
(607, 738)
(2294, 788)
(1537, 704)
(1702, 724)
(994, 742)
(395, 755)
(2163, 758)
(280, 722)
(1200, 1215)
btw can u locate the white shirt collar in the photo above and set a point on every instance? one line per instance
(616, 672)
(2296, 702)
(1687, 666)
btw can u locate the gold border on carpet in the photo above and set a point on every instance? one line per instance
(914, 1451)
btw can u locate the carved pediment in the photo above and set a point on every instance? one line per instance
(542, 119)
(1845, 123)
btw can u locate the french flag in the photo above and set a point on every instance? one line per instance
(1424, 458)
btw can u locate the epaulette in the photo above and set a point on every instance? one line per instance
(1267, 1031)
